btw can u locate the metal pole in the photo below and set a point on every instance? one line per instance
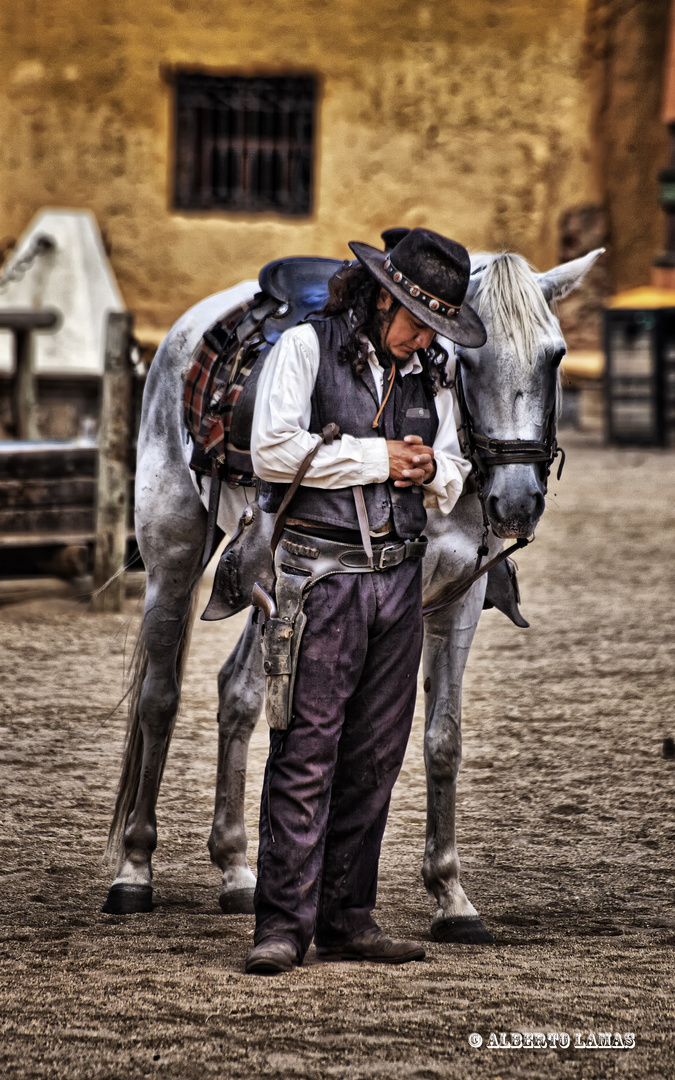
(113, 464)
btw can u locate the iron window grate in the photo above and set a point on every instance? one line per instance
(244, 144)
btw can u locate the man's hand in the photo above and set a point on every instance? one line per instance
(410, 461)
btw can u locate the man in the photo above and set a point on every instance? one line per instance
(373, 367)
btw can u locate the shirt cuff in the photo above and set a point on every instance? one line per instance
(446, 486)
(375, 461)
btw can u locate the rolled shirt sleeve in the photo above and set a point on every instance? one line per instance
(451, 468)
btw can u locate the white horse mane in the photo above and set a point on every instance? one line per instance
(508, 292)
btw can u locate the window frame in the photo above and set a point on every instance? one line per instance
(245, 144)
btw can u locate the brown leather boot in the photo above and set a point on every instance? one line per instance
(272, 956)
(374, 945)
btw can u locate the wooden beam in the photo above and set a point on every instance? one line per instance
(47, 461)
(28, 318)
(113, 464)
(668, 108)
(25, 397)
(22, 322)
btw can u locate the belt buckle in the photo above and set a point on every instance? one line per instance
(382, 563)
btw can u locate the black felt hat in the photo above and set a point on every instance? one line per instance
(429, 275)
(392, 237)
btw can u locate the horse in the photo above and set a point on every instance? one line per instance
(507, 395)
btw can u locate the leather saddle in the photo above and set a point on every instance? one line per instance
(300, 284)
(229, 359)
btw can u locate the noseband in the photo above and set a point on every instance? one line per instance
(484, 453)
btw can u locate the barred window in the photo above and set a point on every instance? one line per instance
(244, 144)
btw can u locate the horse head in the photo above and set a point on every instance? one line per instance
(509, 389)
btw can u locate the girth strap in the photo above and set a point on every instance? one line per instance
(212, 521)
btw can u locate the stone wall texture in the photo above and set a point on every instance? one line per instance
(626, 48)
(474, 117)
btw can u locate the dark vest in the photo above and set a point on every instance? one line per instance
(350, 401)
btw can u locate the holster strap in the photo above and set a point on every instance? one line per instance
(364, 526)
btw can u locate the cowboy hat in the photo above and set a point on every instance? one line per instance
(429, 275)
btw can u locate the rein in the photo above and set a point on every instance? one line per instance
(484, 453)
(450, 595)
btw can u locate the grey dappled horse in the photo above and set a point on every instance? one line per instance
(510, 388)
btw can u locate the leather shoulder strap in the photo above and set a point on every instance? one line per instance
(330, 432)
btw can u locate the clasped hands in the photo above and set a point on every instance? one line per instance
(410, 461)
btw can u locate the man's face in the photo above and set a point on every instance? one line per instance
(405, 334)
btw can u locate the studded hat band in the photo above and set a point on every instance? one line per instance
(441, 307)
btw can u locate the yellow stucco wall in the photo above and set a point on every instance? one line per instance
(469, 116)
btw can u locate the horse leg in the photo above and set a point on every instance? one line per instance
(240, 697)
(447, 642)
(155, 695)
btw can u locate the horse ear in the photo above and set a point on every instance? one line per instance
(558, 282)
(479, 263)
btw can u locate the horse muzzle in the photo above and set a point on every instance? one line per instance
(515, 500)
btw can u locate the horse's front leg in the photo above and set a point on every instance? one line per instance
(241, 691)
(448, 639)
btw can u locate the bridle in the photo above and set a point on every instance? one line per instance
(485, 453)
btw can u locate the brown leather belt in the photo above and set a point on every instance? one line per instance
(316, 556)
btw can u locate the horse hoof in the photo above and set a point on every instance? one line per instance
(461, 931)
(128, 900)
(237, 902)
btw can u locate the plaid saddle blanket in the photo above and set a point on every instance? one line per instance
(216, 417)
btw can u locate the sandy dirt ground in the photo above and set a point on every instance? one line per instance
(566, 834)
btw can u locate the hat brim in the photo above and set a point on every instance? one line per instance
(465, 328)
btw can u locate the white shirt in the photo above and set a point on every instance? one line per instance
(280, 440)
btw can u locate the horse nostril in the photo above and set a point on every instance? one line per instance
(492, 507)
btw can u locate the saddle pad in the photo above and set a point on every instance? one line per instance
(210, 397)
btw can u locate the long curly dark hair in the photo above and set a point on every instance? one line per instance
(354, 289)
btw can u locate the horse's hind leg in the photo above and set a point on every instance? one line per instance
(448, 639)
(173, 570)
(240, 698)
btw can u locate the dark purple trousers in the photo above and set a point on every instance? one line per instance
(329, 777)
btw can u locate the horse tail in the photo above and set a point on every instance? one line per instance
(133, 744)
